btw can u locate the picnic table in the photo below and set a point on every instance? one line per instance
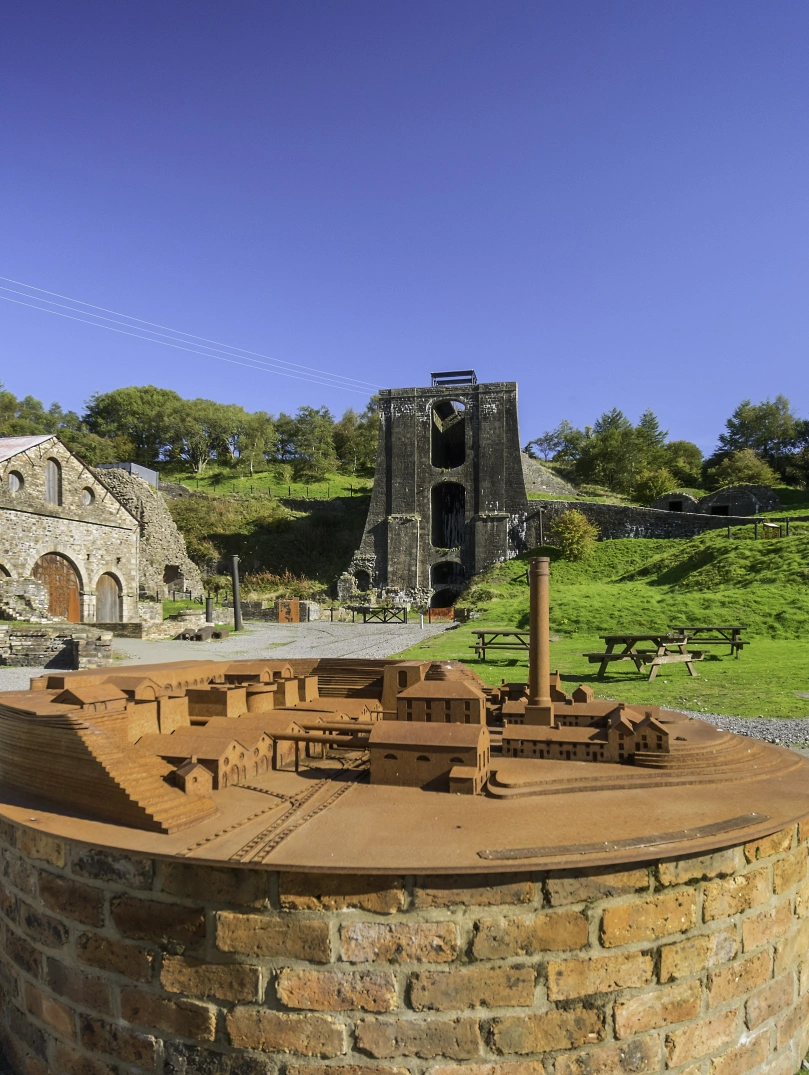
(664, 649)
(379, 613)
(715, 635)
(488, 639)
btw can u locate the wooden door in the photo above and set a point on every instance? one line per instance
(108, 600)
(59, 576)
(289, 611)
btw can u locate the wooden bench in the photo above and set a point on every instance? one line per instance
(669, 649)
(720, 635)
(488, 640)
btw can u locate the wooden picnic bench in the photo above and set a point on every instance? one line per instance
(488, 639)
(715, 635)
(668, 649)
(379, 613)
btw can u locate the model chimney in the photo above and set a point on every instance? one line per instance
(539, 709)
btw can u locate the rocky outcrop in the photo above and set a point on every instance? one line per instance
(539, 479)
(164, 562)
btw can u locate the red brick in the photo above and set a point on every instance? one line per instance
(638, 1057)
(117, 956)
(769, 1001)
(739, 978)
(701, 1039)
(41, 928)
(399, 942)
(474, 890)
(72, 899)
(98, 1036)
(75, 984)
(185, 1017)
(227, 981)
(50, 1011)
(472, 987)
(604, 974)
(793, 1023)
(313, 990)
(23, 954)
(457, 1039)
(338, 892)
(161, 923)
(274, 1032)
(542, 1032)
(259, 935)
(743, 1058)
(557, 931)
(657, 1008)
(645, 920)
(691, 956)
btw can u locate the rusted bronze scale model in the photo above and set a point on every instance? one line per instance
(306, 763)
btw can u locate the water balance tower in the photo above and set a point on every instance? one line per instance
(449, 487)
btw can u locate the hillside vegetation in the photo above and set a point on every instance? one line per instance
(636, 586)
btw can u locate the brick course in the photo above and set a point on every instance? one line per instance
(115, 964)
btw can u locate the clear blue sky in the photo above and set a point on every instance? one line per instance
(606, 201)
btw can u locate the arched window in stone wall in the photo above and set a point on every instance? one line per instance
(448, 434)
(448, 506)
(15, 482)
(53, 482)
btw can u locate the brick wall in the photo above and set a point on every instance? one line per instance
(113, 963)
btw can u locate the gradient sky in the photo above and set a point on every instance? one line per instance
(604, 200)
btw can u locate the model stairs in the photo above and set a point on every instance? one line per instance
(348, 678)
(142, 778)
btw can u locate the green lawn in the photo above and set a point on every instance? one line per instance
(225, 483)
(636, 586)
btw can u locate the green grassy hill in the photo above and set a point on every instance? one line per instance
(644, 585)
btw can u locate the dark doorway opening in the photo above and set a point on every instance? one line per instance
(447, 579)
(675, 505)
(720, 509)
(172, 574)
(448, 438)
(448, 510)
(363, 580)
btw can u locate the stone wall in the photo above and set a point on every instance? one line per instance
(161, 543)
(116, 964)
(539, 479)
(65, 645)
(617, 521)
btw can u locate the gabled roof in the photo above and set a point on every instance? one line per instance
(106, 692)
(419, 734)
(11, 446)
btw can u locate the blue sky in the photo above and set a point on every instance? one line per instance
(604, 201)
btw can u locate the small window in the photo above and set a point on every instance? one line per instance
(53, 482)
(422, 757)
(402, 676)
(87, 496)
(456, 761)
(391, 757)
(15, 482)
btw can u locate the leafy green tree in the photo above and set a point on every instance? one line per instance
(575, 534)
(684, 460)
(653, 483)
(741, 468)
(92, 449)
(315, 455)
(355, 439)
(562, 444)
(770, 429)
(256, 440)
(149, 417)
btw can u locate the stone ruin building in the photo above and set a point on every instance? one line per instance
(81, 545)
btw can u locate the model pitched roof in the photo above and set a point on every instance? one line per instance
(11, 446)
(418, 734)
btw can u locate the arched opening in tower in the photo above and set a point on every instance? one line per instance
(446, 579)
(448, 509)
(448, 439)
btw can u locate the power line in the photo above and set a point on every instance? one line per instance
(258, 360)
(179, 347)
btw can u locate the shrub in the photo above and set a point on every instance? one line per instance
(652, 484)
(741, 468)
(576, 535)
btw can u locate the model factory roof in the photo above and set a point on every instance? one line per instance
(420, 734)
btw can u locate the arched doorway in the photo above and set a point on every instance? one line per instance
(108, 600)
(448, 503)
(448, 435)
(59, 576)
(446, 579)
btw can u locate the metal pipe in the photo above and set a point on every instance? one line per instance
(209, 609)
(237, 598)
(539, 653)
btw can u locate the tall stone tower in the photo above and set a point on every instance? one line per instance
(449, 489)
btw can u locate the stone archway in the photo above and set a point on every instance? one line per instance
(108, 599)
(61, 580)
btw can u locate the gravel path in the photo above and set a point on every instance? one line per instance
(319, 639)
(770, 729)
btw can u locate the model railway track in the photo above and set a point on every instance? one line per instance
(244, 853)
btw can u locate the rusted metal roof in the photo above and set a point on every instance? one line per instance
(11, 446)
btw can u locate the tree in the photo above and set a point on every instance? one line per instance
(653, 483)
(607, 455)
(562, 444)
(313, 442)
(355, 438)
(576, 535)
(741, 468)
(684, 460)
(149, 417)
(256, 439)
(770, 429)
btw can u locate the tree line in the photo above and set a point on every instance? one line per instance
(761, 443)
(158, 428)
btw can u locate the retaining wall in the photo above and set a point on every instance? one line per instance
(622, 521)
(114, 963)
(64, 645)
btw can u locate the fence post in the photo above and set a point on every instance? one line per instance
(787, 522)
(728, 531)
(756, 533)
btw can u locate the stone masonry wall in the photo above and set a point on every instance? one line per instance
(115, 964)
(66, 645)
(161, 542)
